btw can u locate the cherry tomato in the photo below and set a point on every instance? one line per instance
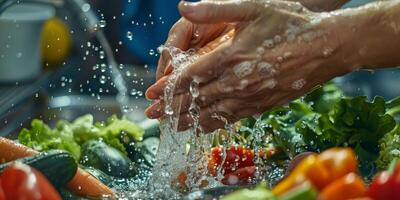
(242, 176)
(236, 157)
(21, 182)
(347, 187)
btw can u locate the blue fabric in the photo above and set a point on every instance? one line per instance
(163, 14)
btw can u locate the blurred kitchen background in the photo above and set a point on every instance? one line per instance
(55, 63)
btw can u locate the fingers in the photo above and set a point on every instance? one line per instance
(206, 68)
(207, 12)
(157, 90)
(213, 116)
(179, 37)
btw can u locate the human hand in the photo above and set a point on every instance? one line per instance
(280, 51)
(185, 34)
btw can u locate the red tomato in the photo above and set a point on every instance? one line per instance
(21, 182)
(236, 157)
(2, 195)
(241, 176)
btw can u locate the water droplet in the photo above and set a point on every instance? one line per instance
(268, 43)
(103, 79)
(129, 35)
(101, 55)
(277, 39)
(265, 69)
(133, 92)
(85, 7)
(194, 89)
(103, 67)
(243, 69)
(102, 23)
(151, 52)
(168, 110)
(327, 52)
(297, 85)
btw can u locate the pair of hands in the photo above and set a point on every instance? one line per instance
(280, 50)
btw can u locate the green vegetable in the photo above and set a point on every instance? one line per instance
(389, 148)
(59, 167)
(41, 138)
(303, 192)
(115, 132)
(259, 193)
(389, 145)
(145, 151)
(99, 155)
(70, 136)
(325, 119)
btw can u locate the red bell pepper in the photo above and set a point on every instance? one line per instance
(386, 185)
(2, 195)
(21, 182)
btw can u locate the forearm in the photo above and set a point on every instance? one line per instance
(371, 35)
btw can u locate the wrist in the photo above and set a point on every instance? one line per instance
(367, 36)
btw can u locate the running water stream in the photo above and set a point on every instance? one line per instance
(180, 153)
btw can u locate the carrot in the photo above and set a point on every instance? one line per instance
(83, 183)
(10, 150)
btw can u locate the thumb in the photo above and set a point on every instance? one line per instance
(207, 12)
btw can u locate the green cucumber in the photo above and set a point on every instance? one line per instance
(58, 166)
(302, 192)
(145, 151)
(110, 160)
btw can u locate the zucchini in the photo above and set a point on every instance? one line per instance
(58, 166)
(108, 159)
(145, 151)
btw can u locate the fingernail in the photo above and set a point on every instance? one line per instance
(154, 111)
(169, 68)
(150, 94)
(186, 7)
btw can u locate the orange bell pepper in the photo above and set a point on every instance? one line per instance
(348, 187)
(308, 169)
(338, 161)
(320, 169)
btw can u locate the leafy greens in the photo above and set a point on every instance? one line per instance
(325, 119)
(70, 136)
